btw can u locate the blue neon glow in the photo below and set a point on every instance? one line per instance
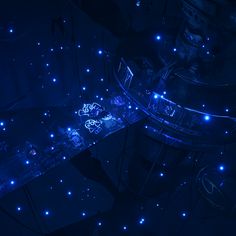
(141, 221)
(158, 37)
(46, 213)
(1, 123)
(161, 174)
(156, 96)
(100, 52)
(18, 208)
(207, 117)
(221, 168)
(12, 182)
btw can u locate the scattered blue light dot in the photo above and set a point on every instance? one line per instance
(129, 106)
(83, 214)
(11, 30)
(51, 49)
(124, 227)
(46, 213)
(54, 80)
(69, 193)
(100, 52)
(164, 92)
(1, 123)
(99, 223)
(51, 135)
(88, 70)
(18, 208)
(141, 221)
(84, 88)
(69, 129)
(184, 214)
(207, 118)
(12, 182)
(27, 162)
(226, 110)
(158, 37)
(138, 3)
(174, 49)
(221, 168)
(161, 174)
(47, 65)
(156, 96)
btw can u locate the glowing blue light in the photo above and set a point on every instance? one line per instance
(27, 162)
(161, 174)
(1, 123)
(101, 99)
(64, 158)
(87, 70)
(46, 213)
(158, 37)
(156, 96)
(203, 46)
(18, 208)
(141, 221)
(69, 193)
(221, 168)
(129, 106)
(83, 214)
(99, 223)
(79, 46)
(51, 49)
(102, 79)
(164, 92)
(11, 30)
(51, 135)
(100, 52)
(207, 118)
(124, 227)
(61, 48)
(174, 49)
(184, 214)
(12, 182)
(69, 129)
(207, 52)
(138, 3)
(226, 132)
(54, 80)
(47, 65)
(226, 110)
(84, 88)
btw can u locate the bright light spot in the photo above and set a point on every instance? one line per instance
(207, 118)
(125, 227)
(88, 70)
(46, 213)
(158, 37)
(184, 214)
(11, 30)
(99, 223)
(161, 174)
(12, 182)
(84, 88)
(27, 162)
(174, 49)
(156, 96)
(1, 123)
(69, 193)
(83, 214)
(221, 168)
(54, 80)
(69, 129)
(141, 221)
(18, 208)
(100, 52)
(129, 106)
(51, 135)
(227, 110)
